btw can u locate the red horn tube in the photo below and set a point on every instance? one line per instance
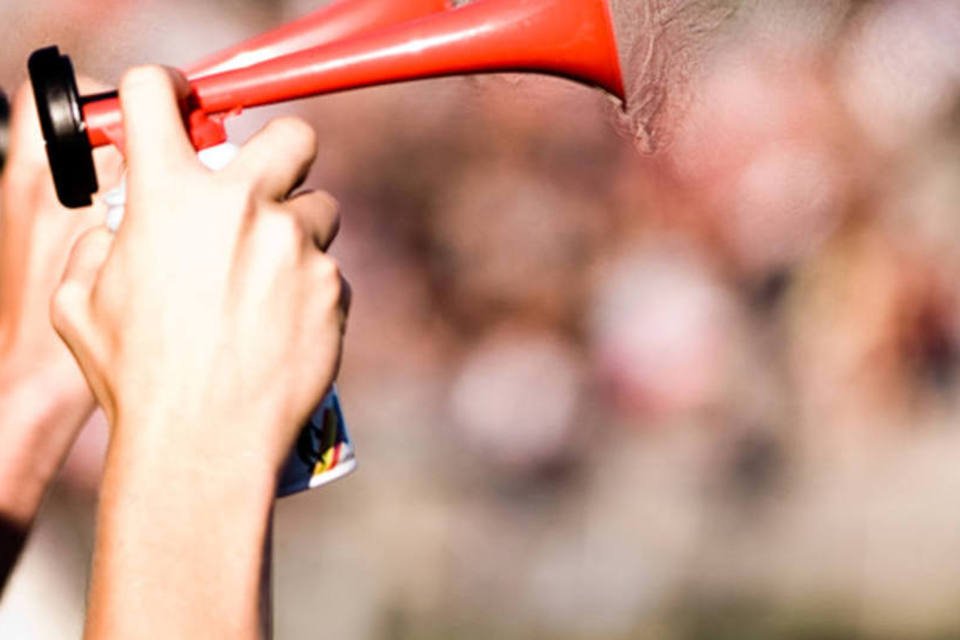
(330, 23)
(70, 138)
(568, 38)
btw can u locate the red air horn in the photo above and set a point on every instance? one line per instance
(62, 109)
(329, 24)
(568, 38)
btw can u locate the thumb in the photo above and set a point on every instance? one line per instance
(70, 305)
(70, 311)
(88, 255)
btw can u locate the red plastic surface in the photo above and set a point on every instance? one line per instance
(328, 24)
(568, 38)
(337, 20)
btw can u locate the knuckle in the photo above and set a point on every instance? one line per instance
(329, 281)
(327, 270)
(279, 231)
(66, 304)
(233, 187)
(295, 132)
(238, 195)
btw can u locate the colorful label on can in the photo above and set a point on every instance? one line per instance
(323, 452)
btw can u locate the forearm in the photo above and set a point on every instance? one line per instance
(180, 549)
(39, 420)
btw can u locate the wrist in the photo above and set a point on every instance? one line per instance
(211, 454)
(166, 516)
(235, 443)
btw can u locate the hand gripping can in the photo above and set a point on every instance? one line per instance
(323, 451)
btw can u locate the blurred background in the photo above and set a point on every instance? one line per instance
(601, 393)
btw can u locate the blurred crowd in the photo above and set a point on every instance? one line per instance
(709, 392)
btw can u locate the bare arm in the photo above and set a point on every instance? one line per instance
(38, 423)
(208, 329)
(44, 399)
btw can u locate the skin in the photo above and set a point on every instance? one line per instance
(208, 328)
(44, 400)
(663, 44)
(217, 279)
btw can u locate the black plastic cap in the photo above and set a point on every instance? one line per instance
(61, 119)
(4, 128)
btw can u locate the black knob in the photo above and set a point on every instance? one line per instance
(61, 119)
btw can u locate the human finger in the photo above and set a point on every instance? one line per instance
(278, 157)
(330, 279)
(152, 99)
(87, 257)
(318, 212)
(71, 302)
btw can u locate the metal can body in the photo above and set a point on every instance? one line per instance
(323, 452)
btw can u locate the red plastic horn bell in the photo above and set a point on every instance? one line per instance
(568, 38)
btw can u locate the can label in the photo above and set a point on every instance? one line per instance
(323, 452)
